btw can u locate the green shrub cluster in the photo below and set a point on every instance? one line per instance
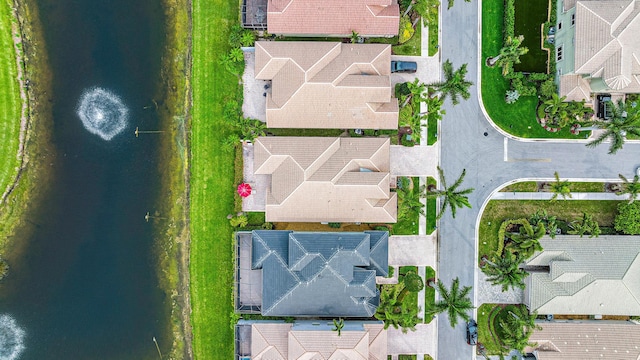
(628, 218)
(406, 30)
(509, 18)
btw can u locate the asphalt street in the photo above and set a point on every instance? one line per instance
(490, 162)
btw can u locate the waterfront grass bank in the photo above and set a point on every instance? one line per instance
(211, 182)
(25, 143)
(171, 220)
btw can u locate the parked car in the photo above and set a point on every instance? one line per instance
(472, 333)
(604, 106)
(404, 66)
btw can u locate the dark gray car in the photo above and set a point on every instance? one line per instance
(472, 332)
(404, 66)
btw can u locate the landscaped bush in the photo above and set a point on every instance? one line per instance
(335, 225)
(402, 89)
(406, 30)
(628, 218)
(548, 88)
(509, 18)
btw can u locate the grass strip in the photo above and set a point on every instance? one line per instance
(411, 224)
(433, 35)
(211, 186)
(432, 211)
(429, 295)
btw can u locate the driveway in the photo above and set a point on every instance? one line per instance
(428, 69)
(418, 250)
(414, 161)
(421, 341)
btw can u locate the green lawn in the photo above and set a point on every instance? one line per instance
(410, 225)
(411, 47)
(520, 118)
(10, 102)
(432, 211)
(432, 130)
(211, 268)
(484, 332)
(429, 294)
(497, 211)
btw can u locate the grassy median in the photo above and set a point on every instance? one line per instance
(211, 185)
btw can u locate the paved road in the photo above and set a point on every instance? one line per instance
(464, 146)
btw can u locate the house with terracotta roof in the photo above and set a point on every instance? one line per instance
(592, 339)
(327, 85)
(582, 276)
(318, 274)
(597, 48)
(323, 179)
(302, 340)
(337, 18)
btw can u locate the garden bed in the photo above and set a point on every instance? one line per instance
(497, 211)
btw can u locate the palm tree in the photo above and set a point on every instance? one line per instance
(454, 84)
(409, 201)
(455, 303)
(557, 110)
(509, 54)
(624, 120)
(395, 313)
(630, 187)
(412, 283)
(354, 36)
(527, 240)
(541, 217)
(338, 325)
(453, 197)
(416, 91)
(586, 225)
(506, 271)
(516, 327)
(561, 188)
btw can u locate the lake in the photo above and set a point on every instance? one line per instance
(86, 285)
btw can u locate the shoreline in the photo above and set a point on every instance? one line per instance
(20, 199)
(173, 236)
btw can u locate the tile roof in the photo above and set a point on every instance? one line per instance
(320, 274)
(607, 44)
(327, 85)
(319, 179)
(333, 17)
(575, 88)
(579, 340)
(586, 276)
(303, 341)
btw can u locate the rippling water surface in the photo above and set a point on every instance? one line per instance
(85, 286)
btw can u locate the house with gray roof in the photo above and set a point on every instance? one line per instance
(305, 340)
(328, 85)
(319, 274)
(322, 179)
(597, 47)
(582, 276)
(589, 339)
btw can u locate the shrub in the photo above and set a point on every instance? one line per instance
(402, 89)
(406, 30)
(548, 88)
(406, 113)
(267, 226)
(335, 225)
(512, 96)
(239, 221)
(628, 218)
(538, 76)
(509, 18)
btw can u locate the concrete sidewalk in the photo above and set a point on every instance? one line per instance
(548, 195)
